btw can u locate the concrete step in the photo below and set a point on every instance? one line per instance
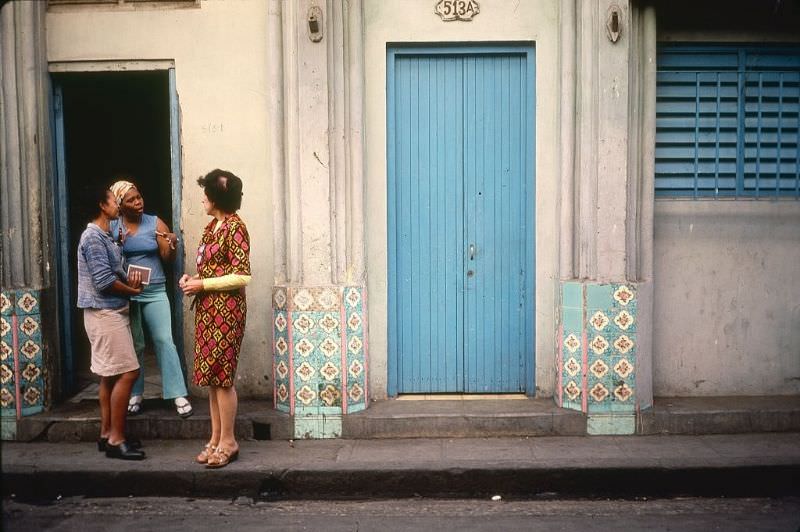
(450, 418)
(540, 417)
(74, 422)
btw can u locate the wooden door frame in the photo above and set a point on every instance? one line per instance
(66, 297)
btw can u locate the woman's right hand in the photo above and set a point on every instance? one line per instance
(182, 281)
(135, 280)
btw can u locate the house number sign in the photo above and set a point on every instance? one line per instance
(457, 9)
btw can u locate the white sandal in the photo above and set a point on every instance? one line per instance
(135, 405)
(183, 407)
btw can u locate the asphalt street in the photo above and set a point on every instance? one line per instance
(416, 514)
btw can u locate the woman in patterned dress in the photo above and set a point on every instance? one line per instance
(223, 270)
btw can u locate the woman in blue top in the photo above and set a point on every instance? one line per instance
(103, 291)
(146, 241)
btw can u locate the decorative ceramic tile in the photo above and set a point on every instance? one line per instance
(329, 324)
(280, 321)
(5, 351)
(623, 344)
(279, 298)
(329, 347)
(306, 395)
(356, 393)
(572, 366)
(572, 390)
(572, 343)
(599, 321)
(32, 396)
(353, 297)
(599, 392)
(6, 374)
(6, 303)
(599, 345)
(623, 368)
(623, 295)
(624, 320)
(303, 323)
(355, 369)
(304, 347)
(599, 368)
(623, 392)
(305, 371)
(330, 395)
(6, 398)
(27, 302)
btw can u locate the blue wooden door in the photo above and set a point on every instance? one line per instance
(461, 234)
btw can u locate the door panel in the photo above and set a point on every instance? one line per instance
(429, 233)
(496, 225)
(460, 220)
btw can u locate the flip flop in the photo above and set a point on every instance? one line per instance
(135, 405)
(183, 407)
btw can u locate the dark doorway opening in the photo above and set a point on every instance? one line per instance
(114, 123)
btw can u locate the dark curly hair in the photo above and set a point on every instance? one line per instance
(223, 189)
(92, 196)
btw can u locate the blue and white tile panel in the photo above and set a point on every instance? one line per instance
(597, 346)
(21, 353)
(320, 350)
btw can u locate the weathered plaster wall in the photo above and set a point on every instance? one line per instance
(220, 56)
(727, 298)
(414, 21)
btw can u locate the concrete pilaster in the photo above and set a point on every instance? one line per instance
(608, 113)
(318, 305)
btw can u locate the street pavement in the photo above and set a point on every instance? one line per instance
(760, 464)
(415, 514)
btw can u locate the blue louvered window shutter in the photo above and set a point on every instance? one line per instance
(727, 122)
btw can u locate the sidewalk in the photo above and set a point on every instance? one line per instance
(756, 464)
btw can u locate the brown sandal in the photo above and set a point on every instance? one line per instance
(221, 458)
(206, 453)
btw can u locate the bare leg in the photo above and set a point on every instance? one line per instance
(104, 396)
(213, 404)
(120, 395)
(227, 400)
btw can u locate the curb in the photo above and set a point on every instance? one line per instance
(335, 484)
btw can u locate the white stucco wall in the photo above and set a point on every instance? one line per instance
(414, 21)
(727, 298)
(220, 51)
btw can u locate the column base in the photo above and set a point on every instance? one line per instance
(604, 356)
(22, 381)
(319, 356)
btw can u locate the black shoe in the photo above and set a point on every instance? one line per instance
(133, 443)
(123, 451)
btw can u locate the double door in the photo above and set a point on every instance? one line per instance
(461, 219)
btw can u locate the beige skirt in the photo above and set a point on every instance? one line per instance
(109, 333)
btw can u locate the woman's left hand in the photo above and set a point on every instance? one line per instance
(171, 238)
(192, 286)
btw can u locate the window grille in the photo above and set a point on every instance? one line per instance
(727, 122)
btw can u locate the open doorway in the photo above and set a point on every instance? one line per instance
(110, 124)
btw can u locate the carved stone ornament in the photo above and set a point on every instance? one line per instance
(451, 10)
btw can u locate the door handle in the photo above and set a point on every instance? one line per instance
(472, 252)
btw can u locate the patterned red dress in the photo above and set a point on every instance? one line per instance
(220, 316)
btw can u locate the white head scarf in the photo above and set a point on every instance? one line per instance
(120, 188)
